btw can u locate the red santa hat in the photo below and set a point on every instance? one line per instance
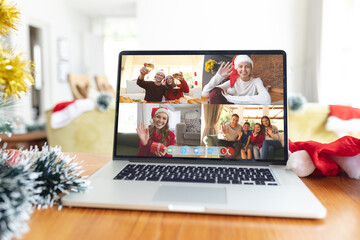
(65, 112)
(343, 120)
(158, 110)
(328, 158)
(161, 71)
(236, 61)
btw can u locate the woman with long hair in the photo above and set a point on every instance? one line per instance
(155, 138)
(254, 143)
(173, 91)
(272, 138)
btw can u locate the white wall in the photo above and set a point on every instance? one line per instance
(57, 20)
(340, 52)
(228, 25)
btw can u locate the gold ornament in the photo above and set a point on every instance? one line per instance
(9, 17)
(15, 73)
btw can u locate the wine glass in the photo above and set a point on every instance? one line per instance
(177, 77)
(149, 66)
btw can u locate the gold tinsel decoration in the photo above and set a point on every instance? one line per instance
(9, 17)
(15, 73)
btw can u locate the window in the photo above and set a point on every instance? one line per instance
(119, 34)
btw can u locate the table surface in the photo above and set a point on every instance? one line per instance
(340, 195)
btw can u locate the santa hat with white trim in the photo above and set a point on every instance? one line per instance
(343, 120)
(158, 110)
(236, 61)
(65, 112)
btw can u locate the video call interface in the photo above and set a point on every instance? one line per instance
(216, 107)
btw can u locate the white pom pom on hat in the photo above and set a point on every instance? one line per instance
(242, 58)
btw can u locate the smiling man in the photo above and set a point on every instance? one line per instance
(154, 90)
(231, 132)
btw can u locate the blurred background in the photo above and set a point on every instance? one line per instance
(321, 39)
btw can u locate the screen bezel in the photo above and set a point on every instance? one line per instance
(190, 160)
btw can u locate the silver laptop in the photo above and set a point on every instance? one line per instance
(202, 132)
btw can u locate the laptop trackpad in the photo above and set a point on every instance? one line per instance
(191, 194)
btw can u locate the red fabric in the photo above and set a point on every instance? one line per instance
(321, 153)
(62, 105)
(344, 112)
(183, 88)
(258, 140)
(144, 150)
(156, 146)
(234, 75)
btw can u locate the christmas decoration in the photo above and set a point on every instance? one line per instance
(17, 196)
(9, 17)
(65, 112)
(7, 115)
(59, 174)
(15, 73)
(28, 178)
(33, 178)
(104, 101)
(296, 103)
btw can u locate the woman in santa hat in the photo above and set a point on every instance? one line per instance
(241, 89)
(173, 91)
(155, 138)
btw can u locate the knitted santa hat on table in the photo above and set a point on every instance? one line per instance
(236, 61)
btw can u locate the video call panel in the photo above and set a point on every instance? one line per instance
(218, 107)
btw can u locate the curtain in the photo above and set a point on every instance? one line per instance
(211, 118)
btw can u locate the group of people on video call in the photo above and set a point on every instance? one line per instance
(260, 143)
(240, 89)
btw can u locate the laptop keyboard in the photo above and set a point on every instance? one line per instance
(197, 174)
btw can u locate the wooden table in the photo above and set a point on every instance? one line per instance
(340, 195)
(25, 140)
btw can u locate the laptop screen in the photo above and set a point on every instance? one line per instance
(218, 106)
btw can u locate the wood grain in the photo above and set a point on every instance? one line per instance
(340, 195)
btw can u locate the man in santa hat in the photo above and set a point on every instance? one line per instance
(241, 89)
(154, 90)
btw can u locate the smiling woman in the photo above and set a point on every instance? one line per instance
(155, 138)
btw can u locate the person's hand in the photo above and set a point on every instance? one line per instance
(161, 153)
(239, 132)
(257, 148)
(224, 129)
(269, 130)
(224, 92)
(225, 69)
(143, 72)
(143, 133)
(180, 76)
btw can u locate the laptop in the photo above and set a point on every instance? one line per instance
(201, 132)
